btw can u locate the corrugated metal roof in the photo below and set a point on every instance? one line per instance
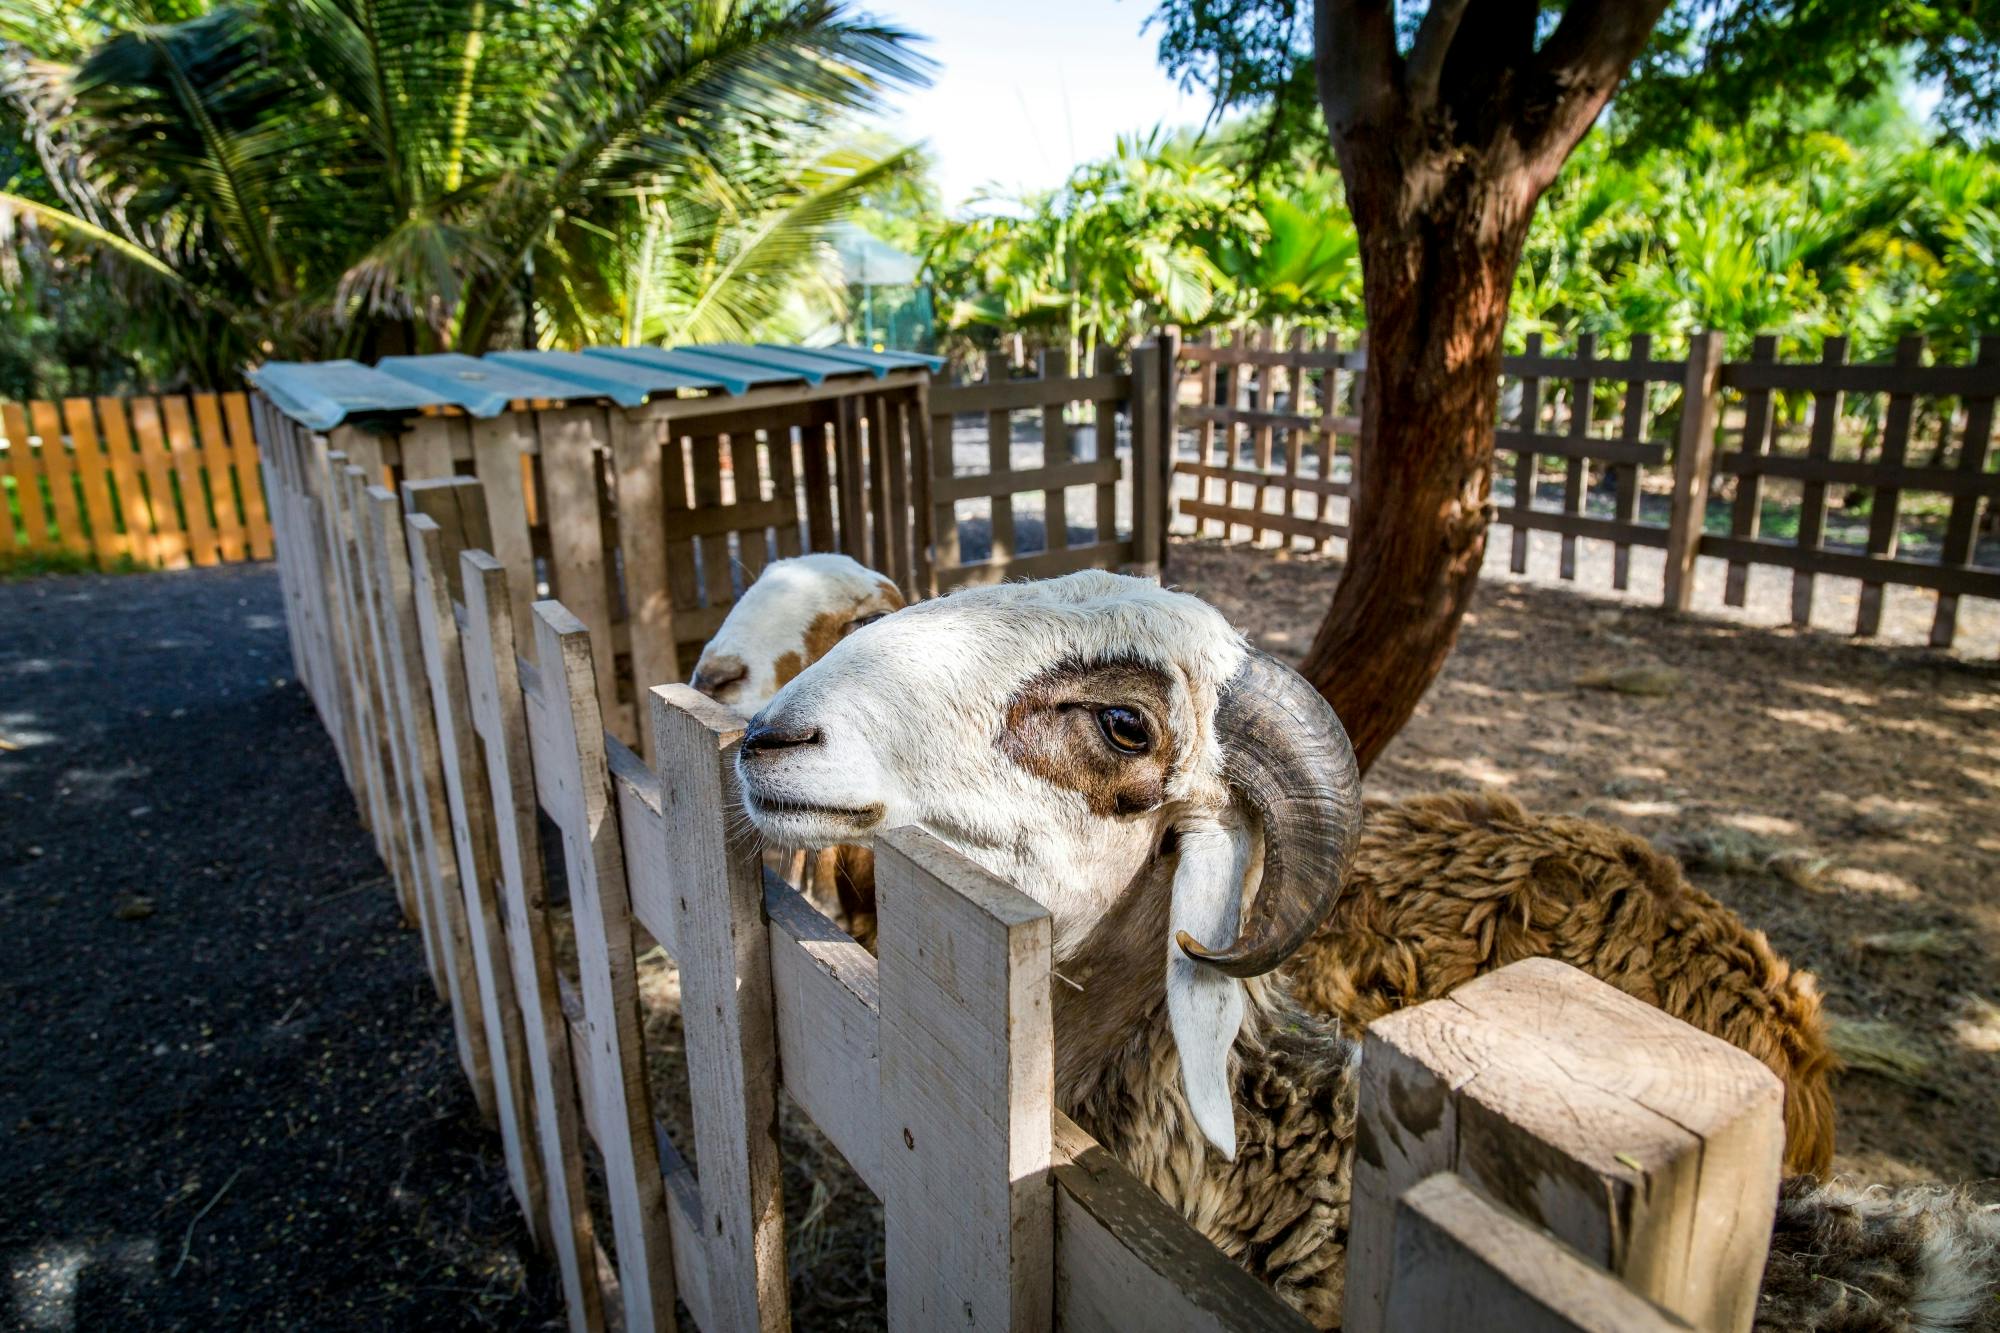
(323, 394)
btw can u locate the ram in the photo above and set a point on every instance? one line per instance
(1122, 756)
(1444, 888)
(788, 618)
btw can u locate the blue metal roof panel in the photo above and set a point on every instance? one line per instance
(734, 376)
(792, 362)
(483, 386)
(871, 359)
(323, 394)
(622, 382)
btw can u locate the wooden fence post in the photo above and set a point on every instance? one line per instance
(1650, 1148)
(726, 1007)
(968, 1086)
(1694, 459)
(1151, 437)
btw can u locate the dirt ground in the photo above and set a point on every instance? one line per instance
(229, 1096)
(1844, 797)
(230, 1093)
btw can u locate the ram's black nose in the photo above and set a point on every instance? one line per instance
(765, 736)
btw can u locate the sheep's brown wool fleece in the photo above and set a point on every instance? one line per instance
(1851, 1260)
(1280, 1209)
(1445, 888)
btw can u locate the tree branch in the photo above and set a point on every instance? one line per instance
(1354, 59)
(1578, 69)
(1426, 60)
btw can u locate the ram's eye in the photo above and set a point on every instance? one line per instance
(1124, 729)
(861, 622)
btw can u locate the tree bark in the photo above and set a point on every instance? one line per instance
(1444, 156)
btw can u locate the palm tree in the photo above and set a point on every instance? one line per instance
(311, 177)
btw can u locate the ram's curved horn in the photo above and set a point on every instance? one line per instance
(1286, 754)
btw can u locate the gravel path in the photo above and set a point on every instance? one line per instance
(228, 1091)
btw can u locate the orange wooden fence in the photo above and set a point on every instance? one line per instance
(163, 482)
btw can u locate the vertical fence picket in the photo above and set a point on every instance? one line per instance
(1056, 448)
(1812, 500)
(217, 466)
(572, 776)
(1883, 531)
(1576, 470)
(494, 689)
(447, 518)
(60, 473)
(1961, 527)
(1746, 514)
(171, 548)
(93, 472)
(1632, 430)
(1694, 460)
(243, 447)
(968, 1080)
(1530, 425)
(726, 976)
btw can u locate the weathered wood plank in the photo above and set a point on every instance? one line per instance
(170, 543)
(1530, 429)
(572, 439)
(1974, 449)
(499, 715)
(1746, 514)
(642, 541)
(217, 464)
(725, 960)
(93, 472)
(1884, 523)
(1461, 1262)
(1649, 1147)
(69, 533)
(443, 523)
(997, 393)
(575, 788)
(243, 447)
(968, 1085)
(1812, 500)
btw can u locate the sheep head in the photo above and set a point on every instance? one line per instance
(786, 620)
(1085, 738)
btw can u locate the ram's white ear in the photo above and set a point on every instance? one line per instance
(1204, 1005)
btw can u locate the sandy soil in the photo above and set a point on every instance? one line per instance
(1843, 797)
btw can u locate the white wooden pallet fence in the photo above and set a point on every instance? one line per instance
(930, 1070)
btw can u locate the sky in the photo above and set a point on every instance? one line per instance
(1026, 89)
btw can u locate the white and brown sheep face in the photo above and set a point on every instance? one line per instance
(1056, 733)
(789, 618)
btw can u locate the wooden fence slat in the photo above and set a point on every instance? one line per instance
(1812, 505)
(1329, 408)
(123, 461)
(752, 545)
(848, 477)
(1746, 515)
(186, 457)
(171, 546)
(500, 447)
(93, 473)
(999, 462)
(243, 446)
(1576, 471)
(1461, 1262)
(364, 751)
(406, 858)
(1632, 430)
(718, 587)
(426, 446)
(944, 523)
(1057, 447)
(899, 426)
(1524, 460)
(1961, 527)
(1212, 378)
(968, 1086)
(781, 460)
(422, 751)
(217, 465)
(499, 715)
(37, 534)
(1265, 396)
(816, 443)
(725, 962)
(1649, 1147)
(1883, 530)
(882, 550)
(576, 791)
(438, 532)
(649, 604)
(60, 472)
(572, 439)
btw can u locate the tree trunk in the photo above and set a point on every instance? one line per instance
(1436, 278)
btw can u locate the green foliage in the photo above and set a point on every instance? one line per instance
(310, 178)
(1852, 225)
